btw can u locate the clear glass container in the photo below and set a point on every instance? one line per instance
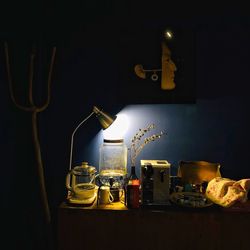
(113, 159)
(81, 174)
(80, 181)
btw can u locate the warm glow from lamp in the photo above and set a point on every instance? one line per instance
(117, 129)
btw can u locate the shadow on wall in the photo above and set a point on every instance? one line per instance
(211, 130)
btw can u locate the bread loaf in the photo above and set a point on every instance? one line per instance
(226, 192)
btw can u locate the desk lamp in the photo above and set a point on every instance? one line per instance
(105, 120)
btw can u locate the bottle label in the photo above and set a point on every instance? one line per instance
(135, 182)
(133, 195)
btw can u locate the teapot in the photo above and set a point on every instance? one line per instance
(80, 181)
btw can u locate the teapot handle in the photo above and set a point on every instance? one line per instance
(68, 181)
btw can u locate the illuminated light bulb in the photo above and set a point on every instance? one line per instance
(168, 34)
(118, 129)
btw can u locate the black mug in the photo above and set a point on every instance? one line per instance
(115, 193)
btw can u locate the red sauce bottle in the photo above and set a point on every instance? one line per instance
(133, 190)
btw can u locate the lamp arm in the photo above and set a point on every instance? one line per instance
(72, 138)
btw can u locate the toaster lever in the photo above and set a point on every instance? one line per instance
(162, 175)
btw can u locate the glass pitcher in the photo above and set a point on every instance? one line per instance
(80, 181)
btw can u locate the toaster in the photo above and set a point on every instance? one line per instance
(155, 181)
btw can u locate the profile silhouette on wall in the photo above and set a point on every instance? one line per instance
(167, 70)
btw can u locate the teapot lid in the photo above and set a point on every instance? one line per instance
(90, 169)
(84, 164)
(84, 169)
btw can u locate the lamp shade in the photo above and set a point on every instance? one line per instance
(105, 119)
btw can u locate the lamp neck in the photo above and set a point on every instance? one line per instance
(72, 138)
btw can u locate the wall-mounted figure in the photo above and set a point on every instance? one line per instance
(156, 65)
(167, 70)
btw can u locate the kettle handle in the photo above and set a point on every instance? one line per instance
(68, 181)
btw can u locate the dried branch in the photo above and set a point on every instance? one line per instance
(136, 145)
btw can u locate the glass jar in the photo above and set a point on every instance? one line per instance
(113, 159)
